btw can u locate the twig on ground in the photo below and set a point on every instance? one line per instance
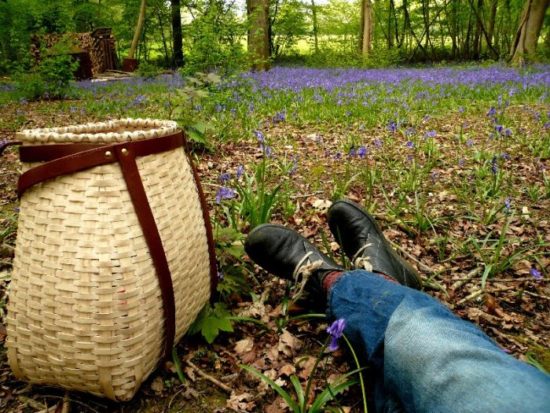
(421, 267)
(208, 377)
(469, 277)
(399, 224)
(536, 295)
(306, 195)
(470, 297)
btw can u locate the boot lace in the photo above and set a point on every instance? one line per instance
(362, 262)
(304, 269)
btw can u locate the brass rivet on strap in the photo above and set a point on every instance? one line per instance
(124, 151)
(108, 154)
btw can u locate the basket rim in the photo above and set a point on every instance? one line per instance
(110, 131)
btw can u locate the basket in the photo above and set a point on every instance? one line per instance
(114, 255)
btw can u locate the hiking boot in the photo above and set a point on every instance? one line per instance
(365, 244)
(285, 253)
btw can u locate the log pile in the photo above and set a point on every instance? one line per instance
(96, 49)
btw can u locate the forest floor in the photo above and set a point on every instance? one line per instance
(463, 193)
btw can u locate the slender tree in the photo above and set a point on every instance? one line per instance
(258, 33)
(530, 25)
(177, 36)
(367, 27)
(138, 30)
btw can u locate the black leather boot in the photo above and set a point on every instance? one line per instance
(285, 253)
(365, 244)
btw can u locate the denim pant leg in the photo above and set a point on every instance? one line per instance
(428, 359)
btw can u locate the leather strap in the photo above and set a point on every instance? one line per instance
(62, 159)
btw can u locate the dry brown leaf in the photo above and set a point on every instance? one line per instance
(288, 344)
(244, 346)
(241, 402)
(306, 364)
(157, 385)
(287, 370)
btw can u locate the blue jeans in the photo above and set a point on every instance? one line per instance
(426, 359)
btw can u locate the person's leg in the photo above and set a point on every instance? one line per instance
(429, 359)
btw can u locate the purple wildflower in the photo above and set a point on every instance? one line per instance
(225, 177)
(139, 99)
(507, 132)
(260, 136)
(279, 117)
(352, 152)
(378, 143)
(469, 143)
(505, 156)
(410, 144)
(499, 128)
(507, 204)
(430, 134)
(267, 150)
(362, 152)
(392, 126)
(492, 112)
(338, 155)
(225, 193)
(535, 273)
(240, 171)
(546, 125)
(336, 330)
(461, 163)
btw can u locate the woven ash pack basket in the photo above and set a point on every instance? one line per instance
(114, 255)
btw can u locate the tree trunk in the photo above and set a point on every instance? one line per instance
(137, 32)
(177, 35)
(163, 36)
(492, 21)
(315, 25)
(525, 42)
(258, 33)
(367, 26)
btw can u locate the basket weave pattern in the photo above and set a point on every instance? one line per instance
(85, 309)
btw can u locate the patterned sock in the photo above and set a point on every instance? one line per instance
(333, 276)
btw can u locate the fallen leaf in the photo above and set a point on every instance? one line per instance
(288, 344)
(240, 402)
(244, 346)
(287, 370)
(157, 385)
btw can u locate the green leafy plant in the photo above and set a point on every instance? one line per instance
(51, 79)
(211, 321)
(187, 106)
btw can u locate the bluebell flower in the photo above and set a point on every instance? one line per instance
(351, 153)
(392, 126)
(336, 331)
(505, 156)
(362, 152)
(492, 112)
(225, 177)
(378, 143)
(431, 134)
(499, 128)
(338, 155)
(507, 204)
(410, 144)
(240, 171)
(535, 273)
(225, 193)
(260, 136)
